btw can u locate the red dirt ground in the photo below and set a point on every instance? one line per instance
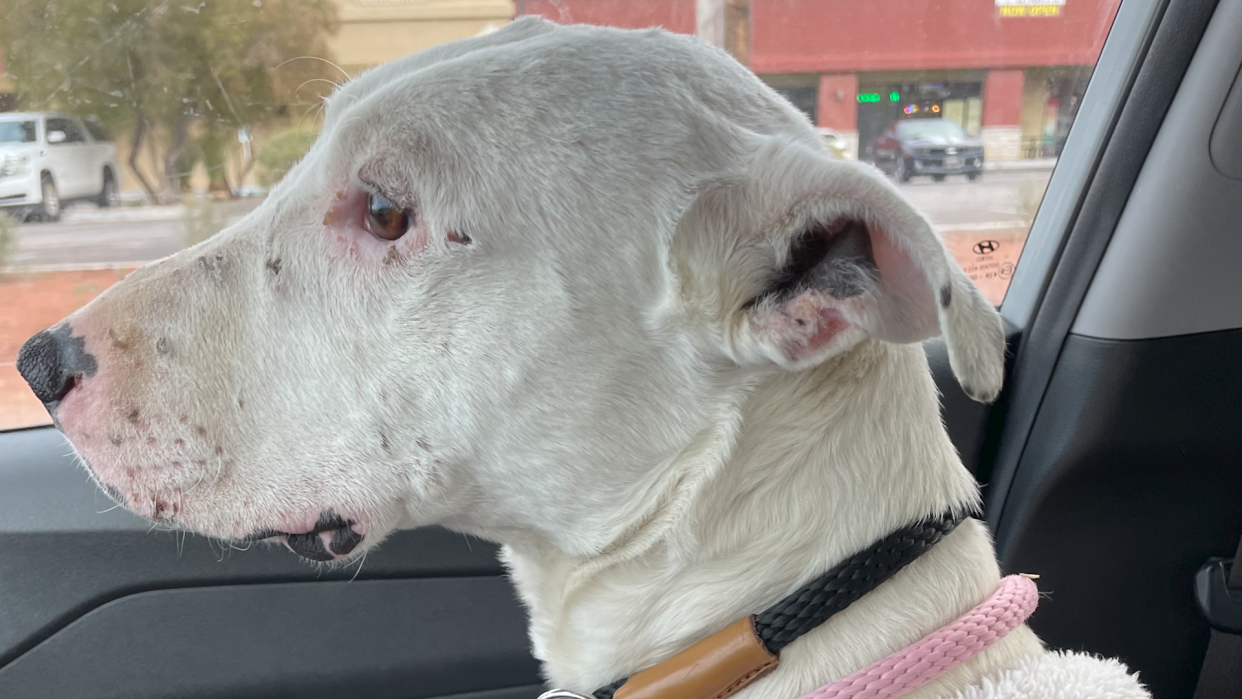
(31, 302)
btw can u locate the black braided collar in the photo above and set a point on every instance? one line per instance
(813, 604)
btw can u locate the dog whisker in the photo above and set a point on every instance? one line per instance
(197, 483)
(360, 562)
(320, 104)
(317, 58)
(315, 80)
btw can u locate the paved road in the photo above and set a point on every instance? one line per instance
(996, 200)
(90, 238)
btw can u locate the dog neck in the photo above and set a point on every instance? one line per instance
(822, 464)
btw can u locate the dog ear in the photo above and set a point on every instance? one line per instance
(849, 258)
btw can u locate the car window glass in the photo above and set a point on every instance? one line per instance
(17, 132)
(97, 131)
(72, 133)
(205, 106)
(930, 128)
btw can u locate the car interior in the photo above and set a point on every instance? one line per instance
(1111, 465)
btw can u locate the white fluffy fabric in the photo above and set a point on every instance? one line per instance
(1059, 675)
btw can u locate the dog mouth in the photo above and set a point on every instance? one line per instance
(333, 538)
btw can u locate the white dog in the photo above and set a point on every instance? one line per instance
(597, 295)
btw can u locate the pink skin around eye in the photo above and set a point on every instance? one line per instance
(347, 223)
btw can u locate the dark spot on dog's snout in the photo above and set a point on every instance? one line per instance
(946, 296)
(273, 266)
(211, 264)
(132, 417)
(163, 345)
(117, 440)
(117, 341)
(163, 511)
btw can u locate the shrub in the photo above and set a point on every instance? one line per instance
(280, 153)
(8, 239)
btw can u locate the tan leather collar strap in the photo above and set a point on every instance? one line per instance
(728, 660)
(713, 668)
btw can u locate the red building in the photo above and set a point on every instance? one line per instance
(1009, 70)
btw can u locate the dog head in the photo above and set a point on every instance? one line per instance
(513, 275)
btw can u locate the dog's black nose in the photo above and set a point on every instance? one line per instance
(50, 362)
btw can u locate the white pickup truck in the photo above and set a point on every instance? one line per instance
(48, 159)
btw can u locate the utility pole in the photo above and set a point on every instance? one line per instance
(726, 24)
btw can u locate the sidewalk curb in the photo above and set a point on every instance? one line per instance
(135, 214)
(1042, 164)
(977, 227)
(72, 267)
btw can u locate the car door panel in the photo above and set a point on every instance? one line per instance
(72, 158)
(104, 149)
(404, 639)
(59, 160)
(1132, 479)
(91, 163)
(83, 162)
(81, 156)
(75, 567)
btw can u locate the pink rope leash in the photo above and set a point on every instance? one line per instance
(943, 650)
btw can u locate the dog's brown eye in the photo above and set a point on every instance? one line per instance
(385, 220)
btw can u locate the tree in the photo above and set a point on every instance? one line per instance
(147, 66)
